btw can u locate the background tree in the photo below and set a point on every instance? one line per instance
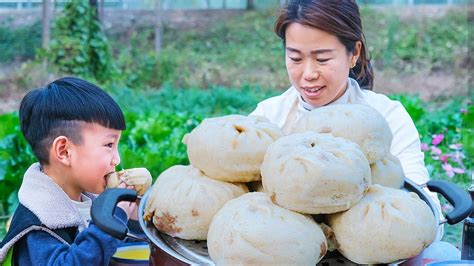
(45, 24)
(95, 9)
(250, 5)
(101, 11)
(79, 46)
(45, 29)
(158, 26)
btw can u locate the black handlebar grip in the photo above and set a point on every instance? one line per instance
(455, 195)
(103, 208)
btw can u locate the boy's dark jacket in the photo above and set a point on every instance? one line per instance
(44, 229)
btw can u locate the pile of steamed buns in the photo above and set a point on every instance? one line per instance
(335, 166)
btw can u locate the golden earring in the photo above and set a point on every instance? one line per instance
(353, 65)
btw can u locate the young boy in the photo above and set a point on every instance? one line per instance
(73, 128)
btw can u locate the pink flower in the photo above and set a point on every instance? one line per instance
(435, 150)
(437, 139)
(444, 158)
(463, 111)
(424, 146)
(451, 171)
(458, 170)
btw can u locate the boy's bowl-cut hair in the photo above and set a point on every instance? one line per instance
(57, 110)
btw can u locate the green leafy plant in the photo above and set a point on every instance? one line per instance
(145, 70)
(244, 50)
(444, 135)
(413, 104)
(19, 43)
(155, 140)
(15, 157)
(467, 131)
(416, 43)
(78, 46)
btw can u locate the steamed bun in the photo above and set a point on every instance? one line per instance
(388, 172)
(231, 148)
(385, 226)
(139, 178)
(251, 230)
(315, 173)
(183, 201)
(356, 122)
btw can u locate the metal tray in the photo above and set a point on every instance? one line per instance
(196, 253)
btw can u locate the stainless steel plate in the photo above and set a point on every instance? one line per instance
(195, 252)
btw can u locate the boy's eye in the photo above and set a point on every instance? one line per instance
(110, 145)
(295, 59)
(323, 60)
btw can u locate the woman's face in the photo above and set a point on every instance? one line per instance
(318, 64)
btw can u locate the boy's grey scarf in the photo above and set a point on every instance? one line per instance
(46, 199)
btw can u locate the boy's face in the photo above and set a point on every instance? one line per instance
(94, 158)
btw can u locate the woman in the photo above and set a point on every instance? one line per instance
(327, 63)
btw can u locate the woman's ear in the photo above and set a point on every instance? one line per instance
(356, 53)
(60, 150)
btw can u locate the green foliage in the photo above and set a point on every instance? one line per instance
(19, 43)
(15, 157)
(448, 122)
(414, 106)
(232, 53)
(245, 50)
(417, 43)
(154, 140)
(240, 50)
(145, 70)
(78, 46)
(467, 131)
(445, 38)
(214, 101)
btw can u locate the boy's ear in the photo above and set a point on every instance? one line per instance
(60, 150)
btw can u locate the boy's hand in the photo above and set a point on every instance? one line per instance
(130, 208)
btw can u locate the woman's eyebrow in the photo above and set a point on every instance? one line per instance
(319, 51)
(322, 51)
(293, 50)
